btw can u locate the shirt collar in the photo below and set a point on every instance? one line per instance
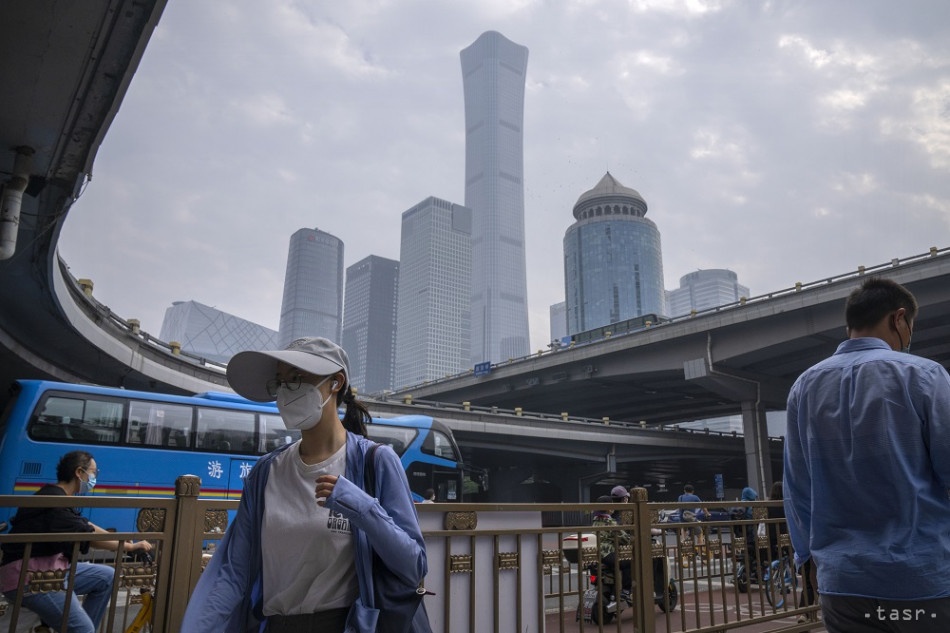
(862, 344)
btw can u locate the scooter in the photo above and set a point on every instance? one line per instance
(601, 603)
(665, 594)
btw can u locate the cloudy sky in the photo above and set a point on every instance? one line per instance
(787, 141)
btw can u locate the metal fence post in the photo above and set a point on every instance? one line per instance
(644, 611)
(185, 550)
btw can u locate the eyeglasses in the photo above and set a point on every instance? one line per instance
(292, 384)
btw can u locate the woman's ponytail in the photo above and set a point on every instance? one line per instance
(357, 415)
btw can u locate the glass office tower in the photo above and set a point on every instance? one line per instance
(493, 75)
(313, 287)
(434, 299)
(369, 322)
(558, 315)
(211, 333)
(704, 289)
(613, 266)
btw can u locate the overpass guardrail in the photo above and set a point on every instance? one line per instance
(82, 293)
(470, 411)
(492, 567)
(860, 271)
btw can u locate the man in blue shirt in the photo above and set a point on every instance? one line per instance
(867, 469)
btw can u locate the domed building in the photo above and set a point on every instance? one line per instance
(613, 264)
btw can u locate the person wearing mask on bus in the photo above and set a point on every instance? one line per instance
(298, 555)
(76, 474)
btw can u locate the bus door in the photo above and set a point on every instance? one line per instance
(446, 484)
(445, 481)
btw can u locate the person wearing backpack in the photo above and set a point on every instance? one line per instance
(317, 543)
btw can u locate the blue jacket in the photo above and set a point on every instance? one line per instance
(229, 594)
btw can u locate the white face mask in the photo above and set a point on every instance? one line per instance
(302, 408)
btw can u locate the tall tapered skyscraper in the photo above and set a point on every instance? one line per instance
(313, 287)
(493, 75)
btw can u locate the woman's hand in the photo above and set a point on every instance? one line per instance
(324, 489)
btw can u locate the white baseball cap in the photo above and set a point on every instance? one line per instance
(248, 372)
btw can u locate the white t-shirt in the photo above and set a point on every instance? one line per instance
(308, 550)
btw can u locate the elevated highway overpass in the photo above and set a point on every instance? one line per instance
(66, 66)
(540, 457)
(707, 364)
(740, 358)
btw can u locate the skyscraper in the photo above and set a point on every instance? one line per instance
(703, 289)
(211, 333)
(369, 322)
(434, 299)
(493, 75)
(558, 316)
(613, 265)
(313, 287)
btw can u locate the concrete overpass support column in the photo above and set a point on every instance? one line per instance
(757, 458)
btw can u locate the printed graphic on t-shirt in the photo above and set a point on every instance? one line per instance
(338, 523)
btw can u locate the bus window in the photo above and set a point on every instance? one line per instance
(105, 418)
(438, 443)
(274, 433)
(92, 421)
(223, 431)
(160, 424)
(396, 436)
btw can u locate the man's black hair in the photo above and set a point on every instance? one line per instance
(876, 298)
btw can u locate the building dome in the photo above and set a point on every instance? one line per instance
(613, 264)
(610, 191)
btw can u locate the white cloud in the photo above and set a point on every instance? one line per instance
(263, 110)
(926, 124)
(855, 184)
(687, 8)
(712, 143)
(816, 57)
(633, 63)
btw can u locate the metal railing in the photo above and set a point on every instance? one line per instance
(495, 567)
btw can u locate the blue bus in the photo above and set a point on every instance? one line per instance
(143, 441)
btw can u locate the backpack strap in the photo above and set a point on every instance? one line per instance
(369, 471)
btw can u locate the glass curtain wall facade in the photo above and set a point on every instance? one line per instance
(369, 322)
(613, 265)
(493, 76)
(433, 319)
(211, 333)
(313, 288)
(558, 316)
(704, 289)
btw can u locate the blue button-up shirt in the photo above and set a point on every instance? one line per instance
(867, 472)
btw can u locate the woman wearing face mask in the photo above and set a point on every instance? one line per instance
(299, 553)
(76, 474)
